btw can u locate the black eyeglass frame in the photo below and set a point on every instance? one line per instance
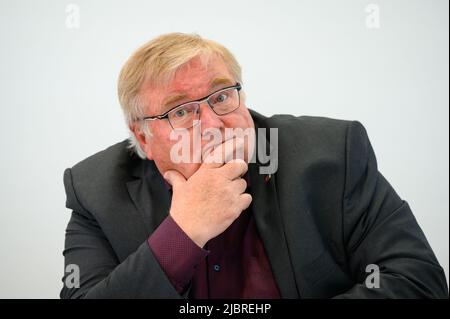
(165, 115)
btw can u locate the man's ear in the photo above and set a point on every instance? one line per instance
(142, 139)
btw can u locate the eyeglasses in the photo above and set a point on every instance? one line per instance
(184, 116)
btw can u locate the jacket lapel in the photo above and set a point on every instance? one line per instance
(149, 194)
(270, 224)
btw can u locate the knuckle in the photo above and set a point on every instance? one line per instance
(243, 184)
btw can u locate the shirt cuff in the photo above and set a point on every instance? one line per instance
(177, 254)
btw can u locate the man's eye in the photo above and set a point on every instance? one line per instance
(180, 113)
(221, 98)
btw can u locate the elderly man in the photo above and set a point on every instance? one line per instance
(145, 224)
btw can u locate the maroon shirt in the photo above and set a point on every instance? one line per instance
(231, 265)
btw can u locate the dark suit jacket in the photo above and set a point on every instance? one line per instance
(323, 217)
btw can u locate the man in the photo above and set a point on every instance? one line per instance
(146, 224)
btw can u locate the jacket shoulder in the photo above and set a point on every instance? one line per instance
(306, 141)
(100, 176)
(313, 136)
(289, 123)
(114, 156)
(314, 124)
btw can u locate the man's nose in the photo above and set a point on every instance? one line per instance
(208, 118)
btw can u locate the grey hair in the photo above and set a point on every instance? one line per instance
(156, 63)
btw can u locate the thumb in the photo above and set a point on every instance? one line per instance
(174, 178)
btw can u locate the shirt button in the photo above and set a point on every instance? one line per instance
(216, 267)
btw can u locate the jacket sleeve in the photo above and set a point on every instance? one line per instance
(101, 274)
(379, 229)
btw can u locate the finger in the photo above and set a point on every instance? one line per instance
(240, 185)
(225, 152)
(234, 169)
(244, 201)
(174, 178)
(234, 149)
(213, 158)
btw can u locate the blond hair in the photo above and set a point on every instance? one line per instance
(155, 63)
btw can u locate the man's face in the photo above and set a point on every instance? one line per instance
(192, 81)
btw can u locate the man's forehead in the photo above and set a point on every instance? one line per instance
(180, 94)
(189, 87)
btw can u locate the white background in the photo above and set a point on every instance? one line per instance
(58, 100)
